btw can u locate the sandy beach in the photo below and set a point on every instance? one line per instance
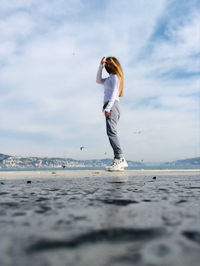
(97, 218)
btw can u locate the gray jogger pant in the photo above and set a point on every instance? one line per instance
(111, 129)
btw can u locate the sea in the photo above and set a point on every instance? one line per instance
(153, 167)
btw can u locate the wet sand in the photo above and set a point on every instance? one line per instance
(97, 218)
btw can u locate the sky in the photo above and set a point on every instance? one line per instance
(50, 103)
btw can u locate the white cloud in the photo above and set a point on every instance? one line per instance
(7, 48)
(15, 26)
(12, 5)
(48, 78)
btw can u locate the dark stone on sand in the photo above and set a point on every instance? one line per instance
(10, 204)
(61, 222)
(97, 236)
(2, 183)
(119, 202)
(43, 209)
(181, 201)
(42, 199)
(19, 214)
(192, 235)
(28, 182)
(163, 189)
(154, 177)
(4, 193)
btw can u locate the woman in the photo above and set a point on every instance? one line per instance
(113, 89)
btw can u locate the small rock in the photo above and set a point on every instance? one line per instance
(2, 183)
(154, 177)
(96, 172)
(53, 173)
(28, 182)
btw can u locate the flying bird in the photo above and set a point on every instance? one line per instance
(137, 132)
(82, 147)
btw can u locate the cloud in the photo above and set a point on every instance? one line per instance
(50, 53)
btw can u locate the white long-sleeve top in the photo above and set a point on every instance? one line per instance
(111, 88)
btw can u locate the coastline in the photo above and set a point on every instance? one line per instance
(5, 175)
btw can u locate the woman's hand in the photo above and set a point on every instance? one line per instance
(107, 114)
(103, 61)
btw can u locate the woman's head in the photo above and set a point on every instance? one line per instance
(113, 66)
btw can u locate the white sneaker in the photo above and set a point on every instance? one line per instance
(118, 165)
(113, 163)
(123, 162)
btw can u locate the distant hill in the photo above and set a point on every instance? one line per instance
(186, 163)
(3, 157)
(17, 162)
